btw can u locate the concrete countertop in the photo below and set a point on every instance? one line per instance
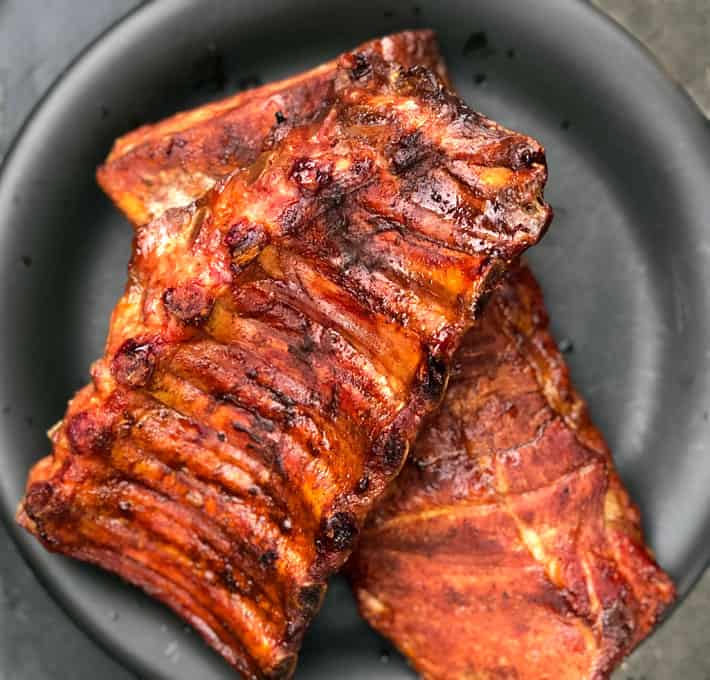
(38, 641)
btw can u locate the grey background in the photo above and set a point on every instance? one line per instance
(37, 641)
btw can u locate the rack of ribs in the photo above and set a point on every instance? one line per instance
(508, 547)
(277, 345)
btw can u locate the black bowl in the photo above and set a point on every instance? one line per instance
(626, 265)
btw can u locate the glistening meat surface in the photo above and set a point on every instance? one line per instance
(276, 347)
(508, 547)
(175, 161)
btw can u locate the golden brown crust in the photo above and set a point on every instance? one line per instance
(508, 547)
(172, 163)
(276, 347)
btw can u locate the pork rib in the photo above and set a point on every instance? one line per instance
(508, 547)
(174, 162)
(273, 354)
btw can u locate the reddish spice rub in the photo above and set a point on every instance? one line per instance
(274, 352)
(508, 547)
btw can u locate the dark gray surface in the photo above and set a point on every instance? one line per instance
(678, 34)
(36, 640)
